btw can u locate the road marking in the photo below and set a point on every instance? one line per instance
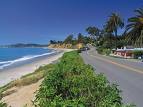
(120, 65)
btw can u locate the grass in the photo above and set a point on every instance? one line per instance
(25, 80)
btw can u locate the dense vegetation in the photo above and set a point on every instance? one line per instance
(138, 54)
(134, 29)
(3, 104)
(71, 83)
(107, 37)
(71, 40)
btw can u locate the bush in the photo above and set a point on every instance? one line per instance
(74, 84)
(100, 50)
(106, 51)
(103, 51)
(2, 104)
(137, 53)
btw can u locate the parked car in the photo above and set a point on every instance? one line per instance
(141, 58)
(87, 48)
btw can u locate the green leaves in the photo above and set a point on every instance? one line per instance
(74, 84)
(137, 53)
(135, 27)
(2, 104)
(114, 23)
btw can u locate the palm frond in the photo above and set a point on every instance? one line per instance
(133, 19)
(135, 26)
(139, 11)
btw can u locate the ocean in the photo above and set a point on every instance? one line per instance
(10, 57)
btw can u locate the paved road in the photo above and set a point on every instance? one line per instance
(127, 74)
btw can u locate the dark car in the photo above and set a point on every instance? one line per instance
(83, 49)
(87, 48)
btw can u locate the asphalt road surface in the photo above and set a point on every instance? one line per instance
(128, 74)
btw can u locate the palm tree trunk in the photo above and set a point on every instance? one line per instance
(116, 39)
(141, 38)
(110, 39)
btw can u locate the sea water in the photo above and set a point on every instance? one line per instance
(13, 56)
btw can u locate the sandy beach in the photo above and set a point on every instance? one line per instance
(14, 99)
(23, 96)
(15, 73)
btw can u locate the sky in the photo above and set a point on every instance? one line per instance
(38, 21)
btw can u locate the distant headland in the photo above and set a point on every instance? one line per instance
(19, 45)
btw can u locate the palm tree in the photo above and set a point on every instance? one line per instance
(134, 30)
(93, 32)
(113, 24)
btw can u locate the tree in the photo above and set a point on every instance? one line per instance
(80, 38)
(69, 39)
(74, 41)
(106, 40)
(113, 24)
(134, 29)
(59, 42)
(53, 42)
(93, 32)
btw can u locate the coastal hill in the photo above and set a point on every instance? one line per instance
(23, 45)
(66, 46)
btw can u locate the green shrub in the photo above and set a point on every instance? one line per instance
(103, 51)
(2, 104)
(106, 51)
(137, 53)
(100, 50)
(74, 84)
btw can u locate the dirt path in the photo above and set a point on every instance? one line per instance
(23, 95)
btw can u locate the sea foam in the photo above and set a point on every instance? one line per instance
(4, 64)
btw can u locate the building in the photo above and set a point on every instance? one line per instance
(125, 53)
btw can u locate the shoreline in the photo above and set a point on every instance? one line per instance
(12, 74)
